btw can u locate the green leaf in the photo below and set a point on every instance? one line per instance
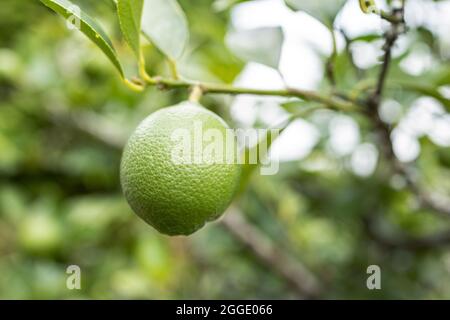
(165, 24)
(323, 10)
(130, 16)
(262, 45)
(88, 26)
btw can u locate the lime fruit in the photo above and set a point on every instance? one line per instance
(170, 175)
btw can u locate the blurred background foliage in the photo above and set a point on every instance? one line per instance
(64, 113)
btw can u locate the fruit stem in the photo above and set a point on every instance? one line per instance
(196, 93)
(137, 87)
(142, 69)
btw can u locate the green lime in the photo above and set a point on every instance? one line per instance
(179, 168)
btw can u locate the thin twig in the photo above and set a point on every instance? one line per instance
(332, 101)
(332, 59)
(391, 37)
(440, 207)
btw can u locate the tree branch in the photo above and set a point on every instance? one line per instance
(391, 36)
(332, 101)
(440, 207)
(332, 59)
(296, 274)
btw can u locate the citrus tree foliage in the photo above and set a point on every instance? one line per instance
(65, 114)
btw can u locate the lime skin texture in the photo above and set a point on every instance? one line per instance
(177, 198)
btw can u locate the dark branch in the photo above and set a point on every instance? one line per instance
(427, 200)
(391, 36)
